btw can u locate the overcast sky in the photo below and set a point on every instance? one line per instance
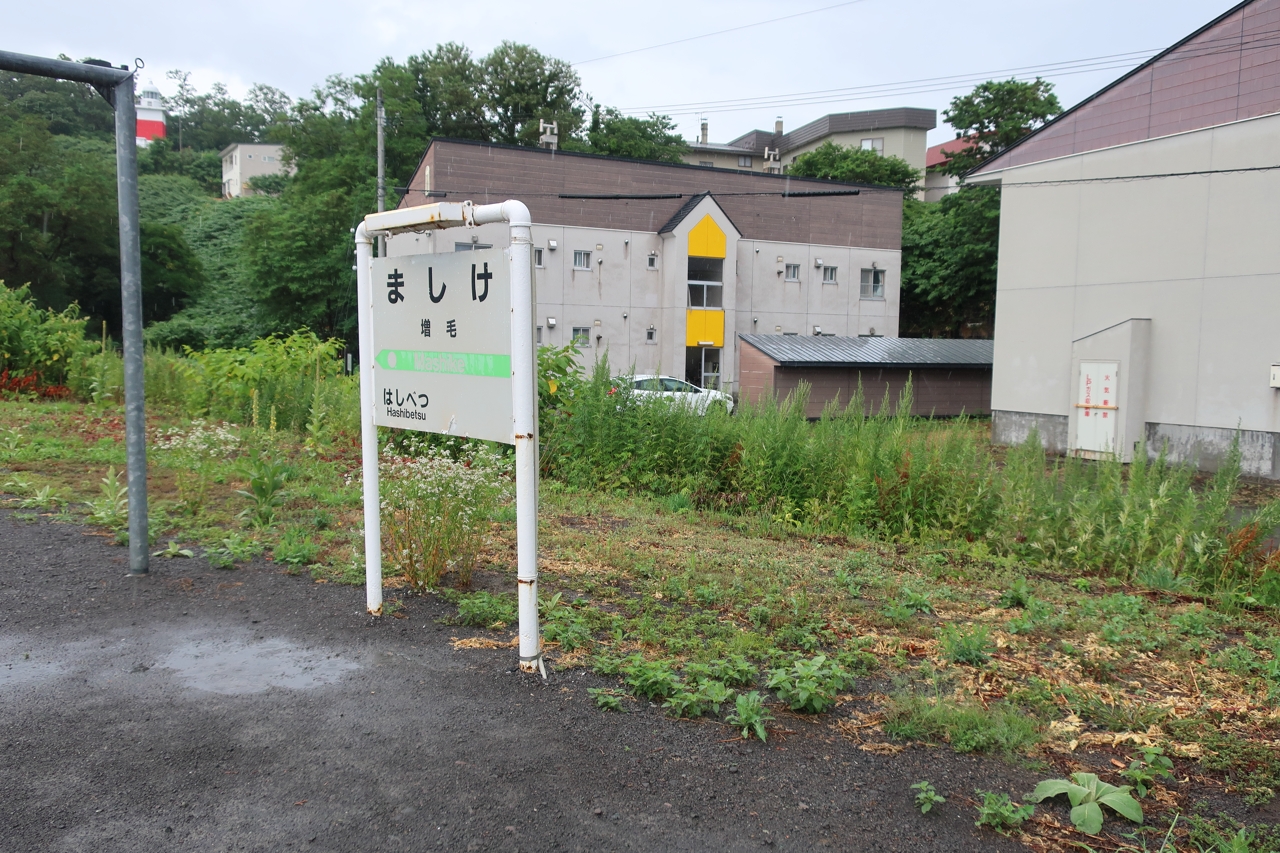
(867, 43)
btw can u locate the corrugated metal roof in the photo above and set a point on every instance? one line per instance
(815, 351)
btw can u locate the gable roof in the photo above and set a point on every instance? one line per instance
(1227, 70)
(688, 207)
(805, 351)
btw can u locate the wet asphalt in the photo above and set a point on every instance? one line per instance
(199, 709)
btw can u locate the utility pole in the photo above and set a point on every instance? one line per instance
(382, 170)
(116, 85)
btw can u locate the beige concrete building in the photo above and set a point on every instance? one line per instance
(663, 266)
(244, 161)
(898, 132)
(1139, 269)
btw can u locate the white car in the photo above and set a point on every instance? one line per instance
(679, 391)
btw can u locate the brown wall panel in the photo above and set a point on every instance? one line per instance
(935, 391)
(1231, 71)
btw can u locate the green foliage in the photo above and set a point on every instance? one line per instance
(968, 727)
(234, 549)
(809, 686)
(652, 138)
(67, 109)
(970, 646)
(653, 680)
(995, 115)
(296, 548)
(750, 714)
(522, 87)
(1000, 813)
(174, 550)
(856, 165)
(733, 670)
(111, 509)
(436, 508)
(1088, 794)
(486, 610)
(38, 342)
(1144, 772)
(606, 699)
(267, 478)
(703, 697)
(949, 252)
(927, 797)
(1017, 594)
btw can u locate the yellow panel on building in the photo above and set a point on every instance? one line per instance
(706, 240)
(703, 327)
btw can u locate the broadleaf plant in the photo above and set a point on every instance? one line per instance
(1088, 794)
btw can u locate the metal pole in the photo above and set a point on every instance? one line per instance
(524, 400)
(382, 170)
(368, 431)
(135, 418)
(116, 86)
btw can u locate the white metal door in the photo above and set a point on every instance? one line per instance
(1097, 404)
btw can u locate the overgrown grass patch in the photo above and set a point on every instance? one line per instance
(966, 726)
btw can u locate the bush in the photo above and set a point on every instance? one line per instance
(809, 686)
(35, 343)
(436, 509)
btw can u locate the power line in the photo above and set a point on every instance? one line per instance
(1258, 40)
(718, 32)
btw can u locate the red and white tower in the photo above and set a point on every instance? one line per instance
(150, 116)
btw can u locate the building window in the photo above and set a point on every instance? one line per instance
(267, 158)
(876, 144)
(829, 275)
(706, 162)
(872, 284)
(537, 257)
(651, 335)
(471, 247)
(581, 260)
(793, 272)
(706, 289)
(539, 334)
(653, 262)
(250, 156)
(582, 336)
(744, 162)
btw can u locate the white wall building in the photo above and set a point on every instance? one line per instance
(244, 161)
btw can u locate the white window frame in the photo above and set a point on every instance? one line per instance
(651, 336)
(581, 336)
(871, 281)
(792, 272)
(537, 260)
(711, 163)
(873, 143)
(581, 259)
(829, 275)
(539, 334)
(653, 262)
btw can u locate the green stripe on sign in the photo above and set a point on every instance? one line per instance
(457, 363)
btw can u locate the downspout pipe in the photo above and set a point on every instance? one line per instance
(368, 431)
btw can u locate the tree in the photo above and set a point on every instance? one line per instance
(995, 115)
(617, 135)
(523, 87)
(856, 165)
(949, 251)
(68, 109)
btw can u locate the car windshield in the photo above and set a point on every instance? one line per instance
(649, 384)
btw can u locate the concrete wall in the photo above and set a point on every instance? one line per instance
(909, 143)
(1198, 255)
(624, 284)
(243, 162)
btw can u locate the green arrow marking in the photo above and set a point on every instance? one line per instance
(456, 363)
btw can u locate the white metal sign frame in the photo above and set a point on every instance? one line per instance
(524, 399)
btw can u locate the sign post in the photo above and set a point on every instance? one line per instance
(447, 346)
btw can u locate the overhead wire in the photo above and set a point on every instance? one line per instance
(1257, 40)
(717, 32)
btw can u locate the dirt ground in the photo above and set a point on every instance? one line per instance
(199, 709)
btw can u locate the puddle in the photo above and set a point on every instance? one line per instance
(16, 669)
(234, 667)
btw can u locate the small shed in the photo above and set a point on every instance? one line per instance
(948, 377)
